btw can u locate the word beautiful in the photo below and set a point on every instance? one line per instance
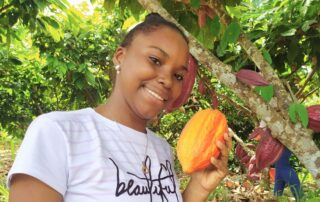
(161, 186)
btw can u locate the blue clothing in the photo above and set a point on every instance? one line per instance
(283, 161)
(285, 174)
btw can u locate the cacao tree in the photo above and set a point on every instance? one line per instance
(276, 41)
(274, 109)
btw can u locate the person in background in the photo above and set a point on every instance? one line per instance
(107, 153)
(286, 175)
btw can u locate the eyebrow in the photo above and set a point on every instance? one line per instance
(167, 55)
(159, 49)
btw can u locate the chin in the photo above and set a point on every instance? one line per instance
(148, 115)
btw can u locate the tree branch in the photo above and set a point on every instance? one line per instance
(2, 9)
(255, 55)
(240, 141)
(297, 139)
(310, 75)
(310, 93)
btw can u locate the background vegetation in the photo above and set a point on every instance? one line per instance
(55, 56)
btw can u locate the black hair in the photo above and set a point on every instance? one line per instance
(151, 22)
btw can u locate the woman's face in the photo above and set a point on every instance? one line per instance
(152, 70)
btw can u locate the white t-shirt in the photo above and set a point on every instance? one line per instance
(88, 158)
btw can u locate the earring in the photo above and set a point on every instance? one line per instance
(117, 67)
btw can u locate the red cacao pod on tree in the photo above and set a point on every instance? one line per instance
(314, 117)
(202, 16)
(201, 87)
(257, 133)
(242, 155)
(252, 169)
(250, 77)
(214, 101)
(187, 85)
(268, 151)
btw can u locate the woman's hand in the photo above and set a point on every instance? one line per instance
(205, 181)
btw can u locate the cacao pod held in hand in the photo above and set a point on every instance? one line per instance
(197, 142)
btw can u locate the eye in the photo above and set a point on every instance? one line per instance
(179, 77)
(155, 60)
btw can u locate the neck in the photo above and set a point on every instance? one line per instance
(114, 111)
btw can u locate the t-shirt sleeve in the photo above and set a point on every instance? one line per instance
(43, 154)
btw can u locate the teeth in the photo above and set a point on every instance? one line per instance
(155, 94)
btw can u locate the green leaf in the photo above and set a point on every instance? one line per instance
(231, 35)
(214, 26)
(266, 55)
(293, 50)
(15, 61)
(135, 9)
(61, 69)
(190, 22)
(297, 109)
(266, 92)
(316, 199)
(289, 32)
(41, 4)
(109, 5)
(306, 25)
(51, 22)
(232, 32)
(13, 17)
(90, 78)
(255, 34)
(195, 4)
(205, 36)
(221, 50)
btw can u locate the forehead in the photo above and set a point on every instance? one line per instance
(165, 38)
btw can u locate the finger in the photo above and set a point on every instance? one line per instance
(228, 140)
(223, 149)
(220, 165)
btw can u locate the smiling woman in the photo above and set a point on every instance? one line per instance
(108, 153)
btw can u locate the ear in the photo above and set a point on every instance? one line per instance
(119, 55)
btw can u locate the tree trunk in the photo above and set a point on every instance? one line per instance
(295, 137)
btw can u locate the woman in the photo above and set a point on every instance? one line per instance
(107, 153)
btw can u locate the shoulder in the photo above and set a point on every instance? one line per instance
(65, 118)
(69, 124)
(61, 116)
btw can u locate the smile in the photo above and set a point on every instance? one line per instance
(155, 94)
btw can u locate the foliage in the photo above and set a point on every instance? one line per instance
(54, 57)
(290, 32)
(61, 68)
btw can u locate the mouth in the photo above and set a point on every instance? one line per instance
(154, 94)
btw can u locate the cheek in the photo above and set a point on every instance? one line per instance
(177, 90)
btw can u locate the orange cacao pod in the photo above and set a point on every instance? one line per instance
(197, 142)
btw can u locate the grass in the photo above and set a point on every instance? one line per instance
(8, 150)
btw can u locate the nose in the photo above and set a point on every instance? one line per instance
(165, 78)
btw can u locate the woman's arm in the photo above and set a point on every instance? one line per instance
(205, 181)
(24, 188)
